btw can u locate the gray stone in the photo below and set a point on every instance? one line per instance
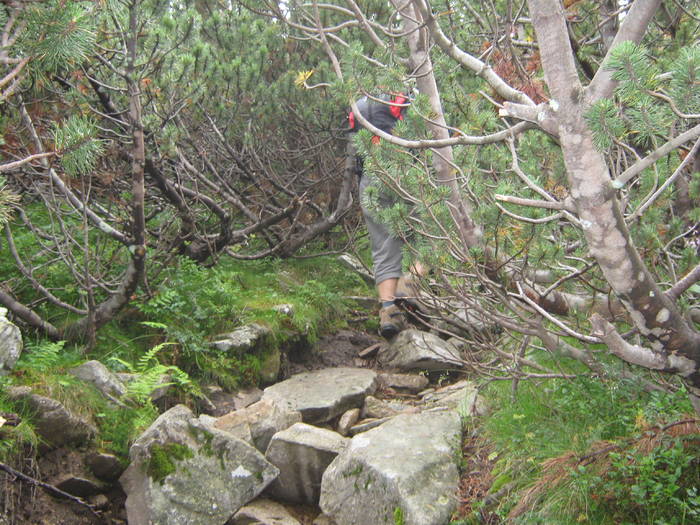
(260, 421)
(202, 475)
(407, 466)
(323, 394)
(263, 512)
(80, 487)
(99, 375)
(416, 350)
(378, 408)
(246, 397)
(242, 339)
(462, 396)
(10, 343)
(323, 520)
(106, 467)
(302, 453)
(367, 424)
(409, 383)
(56, 425)
(347, 420)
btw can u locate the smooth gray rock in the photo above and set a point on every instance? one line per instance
(243, 339)
(347, 420)
(378, 408)
(260, 421)
(416, 350)
(323, 394)
(10, 343)
(263, 511)
(106, 467)
(99, 375)
(410, 383)
(302, 453)
(462, 396)
(405, 467)
(184, 473)
(56, 425)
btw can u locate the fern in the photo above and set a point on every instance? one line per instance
(42, 356)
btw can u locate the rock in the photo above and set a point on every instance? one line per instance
(324, 394)
(354, 264)
(416, 350)
(80, 487)
(263, 512)
(260, 421)
(367, 424)
(323, 520)
(183, 473)
(99, 501)
(377, 408)
(284, 309)
(347, 420)
(56, 425)
(106, 467)
(99, 375)
(270, 366)
(302, 453)
(246, 397)
(370, 351)
(408, 383)
(401, 472)
(462, 396)
(242, 339)
(10, 343)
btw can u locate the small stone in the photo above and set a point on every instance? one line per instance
(106, 467)
(80, 487)
(243, 339)
(284, 309)
(323, 520)
(409, 383)
(263, 511)
(99, 501)
(347, 420)
(377, 409)
(367, 424)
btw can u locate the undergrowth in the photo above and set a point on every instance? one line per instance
(594, 450)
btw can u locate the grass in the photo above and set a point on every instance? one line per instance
(556, 446)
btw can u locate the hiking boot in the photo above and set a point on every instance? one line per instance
(391, 321)
(407, 292)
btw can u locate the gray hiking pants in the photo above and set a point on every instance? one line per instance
(386, 249)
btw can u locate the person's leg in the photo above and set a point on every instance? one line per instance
(387, 259)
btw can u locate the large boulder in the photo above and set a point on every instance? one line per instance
(99, 375)
(302, 453)
(53, 422)
(416, 350)
(260, 421)
(323, 394)
(10, 343)
(404, 471)
(184, 472)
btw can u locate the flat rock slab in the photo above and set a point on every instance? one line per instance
(409, 383)
(99, 375)
(243, 339)
(324, 394)
(302, 453)
(406, 467)
(462, 396)
(416, 350)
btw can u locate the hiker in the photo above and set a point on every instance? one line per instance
(387, 256)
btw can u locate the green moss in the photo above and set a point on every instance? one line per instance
(163, 457)
(398, 516)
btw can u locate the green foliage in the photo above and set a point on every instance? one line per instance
(569, 418)
(41, 356)
(163, 458)
(7, 200)
(58, 34)
(75, 139)
(685, 77)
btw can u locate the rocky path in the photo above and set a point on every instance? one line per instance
(356, 435)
